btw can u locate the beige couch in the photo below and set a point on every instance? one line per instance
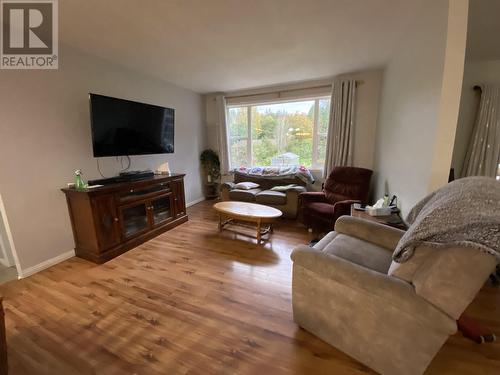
(287, 201)
(392, 317)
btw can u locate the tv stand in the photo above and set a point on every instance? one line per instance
(112, 219)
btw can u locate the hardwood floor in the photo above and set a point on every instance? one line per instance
(191, 301)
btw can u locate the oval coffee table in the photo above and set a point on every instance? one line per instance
(233, 212)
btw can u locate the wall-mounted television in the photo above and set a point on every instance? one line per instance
(123, 127)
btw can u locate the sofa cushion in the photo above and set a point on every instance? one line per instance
(321, 209)
(271, 197)
(321, 244)
(361, 252)
(347, 183)
(243, 195)
(246, 185)
(267, 182)
(284, 188)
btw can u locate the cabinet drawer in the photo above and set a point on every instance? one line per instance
(134, 194)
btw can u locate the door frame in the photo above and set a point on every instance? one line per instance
(5, 222)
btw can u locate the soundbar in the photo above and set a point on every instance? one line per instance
(123, 177)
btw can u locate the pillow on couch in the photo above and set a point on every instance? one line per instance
(283, 188)
(246, 185)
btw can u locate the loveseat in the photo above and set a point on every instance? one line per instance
(286, 200)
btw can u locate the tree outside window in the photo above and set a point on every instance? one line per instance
(260, 134)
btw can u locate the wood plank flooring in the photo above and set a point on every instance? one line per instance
(191, 301)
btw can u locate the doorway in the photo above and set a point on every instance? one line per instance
(8, 270)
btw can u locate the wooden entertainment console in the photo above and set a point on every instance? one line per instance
(109, 220)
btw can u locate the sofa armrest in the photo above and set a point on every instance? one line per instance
(370, 231)
(225, 188)
(312, 196)
(336, 268)
(341, 208)
(297, 189)
(389, 290)
(228, 185)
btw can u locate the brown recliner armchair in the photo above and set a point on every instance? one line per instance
(343, 187)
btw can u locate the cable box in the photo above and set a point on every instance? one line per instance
(123, 177)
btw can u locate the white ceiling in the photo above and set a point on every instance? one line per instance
(223, 45)
(483, 37)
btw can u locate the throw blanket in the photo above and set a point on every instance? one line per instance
(464, 213)
(292, 171)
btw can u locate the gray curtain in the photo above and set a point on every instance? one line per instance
(340, 144)
(483, 154)
(220, 102)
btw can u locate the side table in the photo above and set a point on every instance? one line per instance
(392, 220)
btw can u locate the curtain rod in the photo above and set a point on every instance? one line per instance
(287, 90)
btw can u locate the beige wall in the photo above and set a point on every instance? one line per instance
(456, 41)
(45, 136)
(476, 72)
(367, 107)
(211, 121)
(410, 113)
(368, 95)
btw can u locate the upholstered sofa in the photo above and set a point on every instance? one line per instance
(287, 201)
(393, 317)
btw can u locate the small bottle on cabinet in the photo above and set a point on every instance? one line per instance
(79, 184)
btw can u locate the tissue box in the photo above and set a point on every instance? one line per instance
(382, 211)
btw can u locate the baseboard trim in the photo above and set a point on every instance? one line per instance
(46, 264)
(192, 203)
(62, 257)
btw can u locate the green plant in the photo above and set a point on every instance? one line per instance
(211, 163)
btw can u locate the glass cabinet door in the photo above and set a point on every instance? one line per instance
(161, 209)
(134, 219)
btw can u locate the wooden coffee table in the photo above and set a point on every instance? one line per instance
(233, 212)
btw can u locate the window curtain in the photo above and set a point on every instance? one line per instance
(220, 102)
(340, 143)
(483, 154)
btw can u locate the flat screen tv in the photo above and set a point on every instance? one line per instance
(123, 127)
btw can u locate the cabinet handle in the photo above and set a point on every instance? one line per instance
(131, 190)
(116, 219)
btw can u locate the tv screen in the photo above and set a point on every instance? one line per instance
(123, 127)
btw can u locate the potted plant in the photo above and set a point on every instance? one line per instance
(211, 168)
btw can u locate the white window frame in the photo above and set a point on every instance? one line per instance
(315, 137)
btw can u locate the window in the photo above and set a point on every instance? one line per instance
(279, 134)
